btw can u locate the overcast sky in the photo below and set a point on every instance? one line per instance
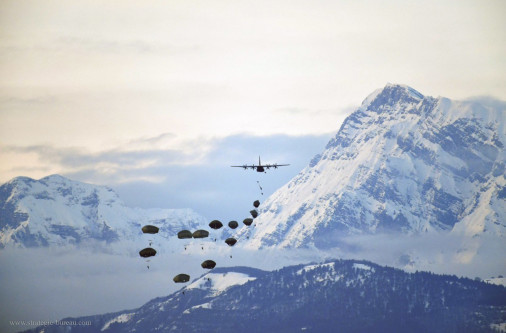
(158, 98)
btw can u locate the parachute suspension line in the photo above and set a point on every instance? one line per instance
(261, 189)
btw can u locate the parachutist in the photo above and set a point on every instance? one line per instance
(181, 278)
(215, 224)
(183, 234)
(231, 241)
(201, 234)
(150, 229)
(248, 221)
(208, 264)
(147, 252)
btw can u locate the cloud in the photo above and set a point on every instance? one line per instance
(73, 158)
(104, 45)
(214, 189)
(296, 111)
(50, 284)
(153, 140)
(24, 101)
(195, 175)
(53, 283)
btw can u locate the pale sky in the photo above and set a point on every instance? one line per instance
(116, 92)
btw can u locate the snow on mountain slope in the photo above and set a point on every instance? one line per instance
(218, 283)
(334, 296)
(58, 211)
(402, 163)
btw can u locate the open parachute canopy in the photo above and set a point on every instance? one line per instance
(233, 224)
(201, 234)
(147, 252)
(184, 234)
(254, 213)
(256, 203)
(181, 278)
(215, 224)
(248, 221)
(208, 264)
(231, 241)
(150, 229)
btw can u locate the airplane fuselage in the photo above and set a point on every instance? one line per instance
(259, 167)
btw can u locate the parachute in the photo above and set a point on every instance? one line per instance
(215, 224)
(231, 241)
(233, 224)
(147, 252)
(208, 264)
(201, 234)
(150, 229)
(254, 213)
(248, 221)
(181, 278)
(256, 203)
(184, 234)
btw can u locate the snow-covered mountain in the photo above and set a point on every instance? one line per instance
(402, 162)
(334, 296)
(56, 211)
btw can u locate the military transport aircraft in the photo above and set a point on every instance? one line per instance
(259, 167)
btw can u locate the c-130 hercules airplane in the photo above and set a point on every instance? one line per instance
(259, 167)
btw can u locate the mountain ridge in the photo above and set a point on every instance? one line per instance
(58, 211)
(344, 295)
(402, 162)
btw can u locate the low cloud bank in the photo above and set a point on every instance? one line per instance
(51, 284)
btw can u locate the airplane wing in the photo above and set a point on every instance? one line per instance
(243, 166)
(275, 165)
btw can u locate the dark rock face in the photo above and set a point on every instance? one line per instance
(10, 217)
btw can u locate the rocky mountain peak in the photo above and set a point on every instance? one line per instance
(59, 211)
(390, 96)
(402, 162)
